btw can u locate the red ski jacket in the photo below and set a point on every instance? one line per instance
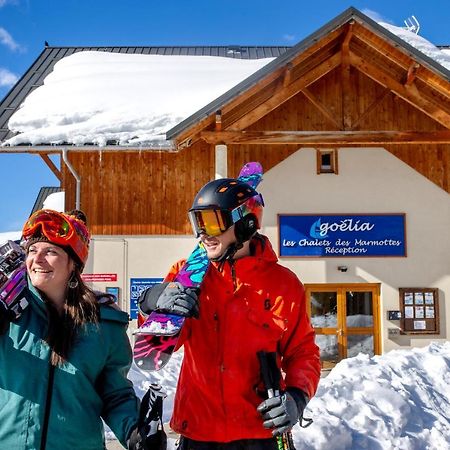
(255, 305)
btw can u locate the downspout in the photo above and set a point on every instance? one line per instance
(221, 167)
(75, 175)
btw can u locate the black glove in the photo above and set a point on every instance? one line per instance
(170, 297)
(282, 412)
(6, 315)
(149, 433)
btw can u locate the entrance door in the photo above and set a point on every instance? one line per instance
(346, 319)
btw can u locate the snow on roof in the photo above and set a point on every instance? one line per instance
(421, 44)
(10, 236)
(97, 97)
(55, 201)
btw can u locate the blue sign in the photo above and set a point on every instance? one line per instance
(350, 235)
(113, 291)
(137, 285)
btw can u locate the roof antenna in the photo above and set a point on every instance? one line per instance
(412, 24)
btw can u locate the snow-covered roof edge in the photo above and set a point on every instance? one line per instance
(346, 16)
(46, 60)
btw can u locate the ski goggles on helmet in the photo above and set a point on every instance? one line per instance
(214, 222)
(60, 229)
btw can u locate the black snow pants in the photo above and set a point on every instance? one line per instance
(244, 444)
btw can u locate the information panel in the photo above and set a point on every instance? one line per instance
(349, 235)
(137, 285)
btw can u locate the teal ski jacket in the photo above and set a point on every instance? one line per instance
(71, 399)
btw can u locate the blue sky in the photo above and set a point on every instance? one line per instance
(26, 24)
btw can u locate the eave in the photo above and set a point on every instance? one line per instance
(403, 71)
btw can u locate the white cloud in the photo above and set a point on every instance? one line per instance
(7, 40)
(289, 37)
(375, 16)
(5, 2)
(7, 78)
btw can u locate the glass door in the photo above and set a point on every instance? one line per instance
(345, 318)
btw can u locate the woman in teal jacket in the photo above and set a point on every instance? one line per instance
(64, 361)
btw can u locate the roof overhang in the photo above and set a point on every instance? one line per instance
(203, 121)
(57, 149)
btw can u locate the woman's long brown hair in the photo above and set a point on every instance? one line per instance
(80, 309)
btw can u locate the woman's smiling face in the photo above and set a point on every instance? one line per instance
(49, 267)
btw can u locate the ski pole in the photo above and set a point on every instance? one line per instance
(271, 377)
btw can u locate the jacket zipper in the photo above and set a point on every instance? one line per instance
(233, 275)
(48, 402)
(222, 367)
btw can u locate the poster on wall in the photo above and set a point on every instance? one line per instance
(114, 291)
(137, 285)
(349, 235)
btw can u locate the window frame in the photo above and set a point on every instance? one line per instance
(333, 153)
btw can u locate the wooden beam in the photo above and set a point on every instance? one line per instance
(219, 120)
(51, 165)
(284, 93)
(400, 58)
(371, 107)
(287, 75)
(327, 137)
(407, 93)
(191, 133)
(346, 87)
(321, 107)
(412, 73)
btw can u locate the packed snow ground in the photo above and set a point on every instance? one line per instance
(397, 401)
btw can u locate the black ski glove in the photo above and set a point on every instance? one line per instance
(149, 433)
(170, 297)
(282, 412)
(6, 315)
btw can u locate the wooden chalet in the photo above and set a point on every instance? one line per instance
(352, 83)
(351, 89)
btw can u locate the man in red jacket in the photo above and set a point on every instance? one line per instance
(247, 303)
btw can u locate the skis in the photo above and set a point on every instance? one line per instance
(157, 337)
(12, 277)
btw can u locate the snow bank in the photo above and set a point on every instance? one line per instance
(400, 400)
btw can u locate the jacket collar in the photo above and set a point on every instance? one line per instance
(262, 253)
(36, 298)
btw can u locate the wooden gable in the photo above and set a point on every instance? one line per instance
(355, 86)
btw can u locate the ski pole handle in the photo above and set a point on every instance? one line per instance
(265, 373)
(271, 376)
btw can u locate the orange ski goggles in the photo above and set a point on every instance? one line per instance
(60, 229)
(214, 222)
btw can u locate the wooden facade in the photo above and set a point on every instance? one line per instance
(350, 85)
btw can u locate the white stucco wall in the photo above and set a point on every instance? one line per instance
(134, 257)
(370, 181)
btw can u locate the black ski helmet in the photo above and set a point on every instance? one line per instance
(225, 202)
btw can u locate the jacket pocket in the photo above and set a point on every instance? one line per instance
(267, 323)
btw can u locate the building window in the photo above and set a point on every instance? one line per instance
(327, 161)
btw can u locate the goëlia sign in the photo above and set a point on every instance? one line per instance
(350, 235)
